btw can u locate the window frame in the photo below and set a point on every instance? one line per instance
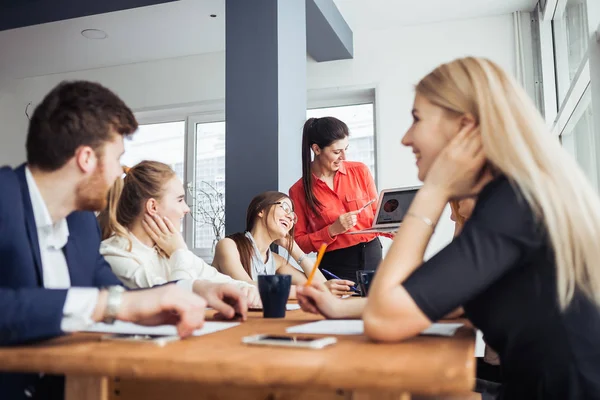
(190, 174)
(559, 112)
(214, 111)
(206, 112)
(562, 113)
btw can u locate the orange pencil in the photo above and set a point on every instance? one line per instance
(320, 255)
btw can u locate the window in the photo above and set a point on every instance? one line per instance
(571, 37)
(566, 27)
(208, 189)
(195, 149)
(164, 142)
(360, 121)
(578, 138)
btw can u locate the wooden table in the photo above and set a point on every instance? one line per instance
(219, 366)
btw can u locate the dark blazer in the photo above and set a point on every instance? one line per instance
(28, 311)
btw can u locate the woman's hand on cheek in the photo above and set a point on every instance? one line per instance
(457, 170)
(163, 233)
(283, 242)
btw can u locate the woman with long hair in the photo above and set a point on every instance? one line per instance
(330, 200)
(141, 232)
(524, 265)
(270, 219)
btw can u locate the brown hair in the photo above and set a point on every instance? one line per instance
(263, 202)
(127, 197)
(322, 132)
(75, 114)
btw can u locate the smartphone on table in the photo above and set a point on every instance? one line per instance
(305, 342)
(159, 340)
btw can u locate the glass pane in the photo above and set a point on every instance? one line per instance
(571, 36)
(157, 142)
(578, 139)
(209, 190)
(360, 121)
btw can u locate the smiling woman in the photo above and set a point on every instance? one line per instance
(332, 199)
(270, 219)
(523, 267)
(141, 230)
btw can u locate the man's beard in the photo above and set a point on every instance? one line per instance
(92, 194)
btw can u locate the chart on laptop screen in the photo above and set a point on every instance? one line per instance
(393, 206)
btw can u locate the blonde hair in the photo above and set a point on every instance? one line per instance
(517, 142)
(127, 197)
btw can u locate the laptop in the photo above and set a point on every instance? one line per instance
(391, 207)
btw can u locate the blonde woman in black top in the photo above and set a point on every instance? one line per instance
(524, 266)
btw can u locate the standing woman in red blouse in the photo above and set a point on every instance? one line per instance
(328, 200)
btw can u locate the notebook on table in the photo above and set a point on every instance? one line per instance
(391, 208)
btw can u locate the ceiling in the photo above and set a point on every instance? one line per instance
(184, 27)
(21, 13)
(167, 30)
(380, 14)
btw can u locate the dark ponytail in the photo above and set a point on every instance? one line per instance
(322, 132)
(307, 178)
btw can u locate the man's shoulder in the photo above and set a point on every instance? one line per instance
(8, 178)
(82, 217)
(10, 196)
(84, 226)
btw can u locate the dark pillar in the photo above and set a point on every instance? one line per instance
(265, 100)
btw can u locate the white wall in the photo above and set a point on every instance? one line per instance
(389, 60)
(393, 61)
(12, 124)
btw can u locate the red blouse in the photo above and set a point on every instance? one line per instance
(353, 188)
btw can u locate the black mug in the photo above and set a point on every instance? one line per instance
(274, 292)
(364, 279)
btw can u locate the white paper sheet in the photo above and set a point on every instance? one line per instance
(330, 327)
(479, 345)
(356, 327)
(164, 330)
(442, 329)
(288, 307)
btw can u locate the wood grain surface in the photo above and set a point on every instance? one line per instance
(422, 365)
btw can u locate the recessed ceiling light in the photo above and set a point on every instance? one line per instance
(213, 15)
(94, 34)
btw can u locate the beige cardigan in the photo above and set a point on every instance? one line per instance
(144, 266)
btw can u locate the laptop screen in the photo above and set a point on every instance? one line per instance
(394, 205)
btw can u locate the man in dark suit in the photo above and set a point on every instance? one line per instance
(52, 278)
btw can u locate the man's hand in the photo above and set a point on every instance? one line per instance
(164, 305)
(225, 298)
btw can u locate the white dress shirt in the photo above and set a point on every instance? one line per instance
(52, 237)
